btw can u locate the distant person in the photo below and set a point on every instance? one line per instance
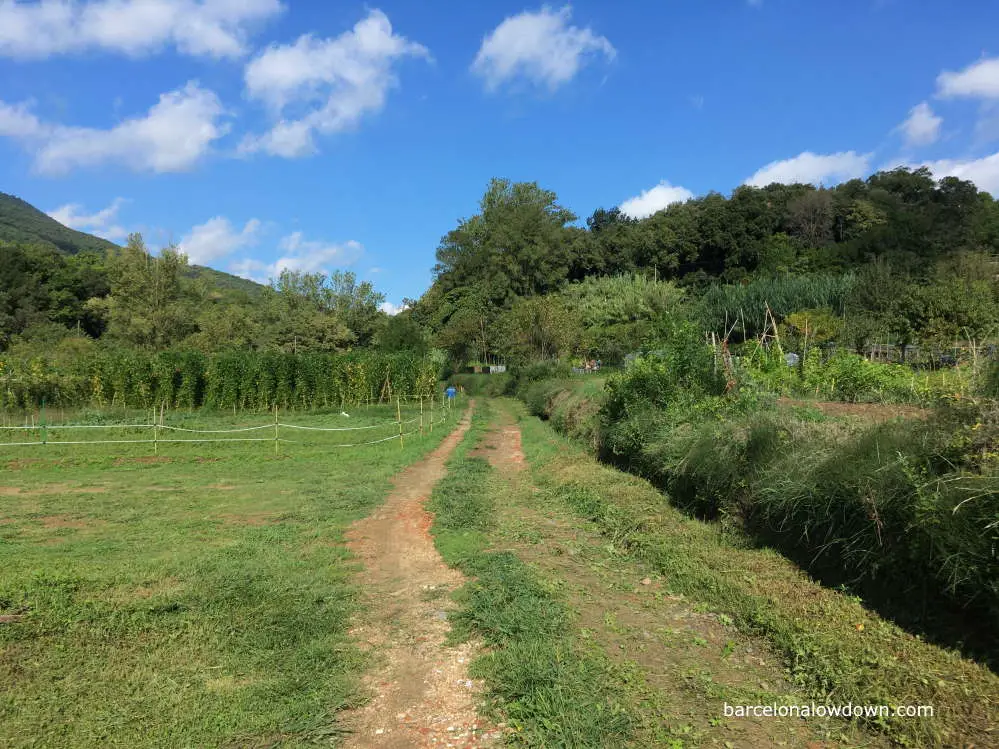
(450, 392)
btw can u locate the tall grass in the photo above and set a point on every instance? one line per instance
(744, 306)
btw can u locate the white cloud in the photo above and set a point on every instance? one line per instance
(922, 126)
(16, 121)
(980, 80)
(335, 81)
(300, 254)
(204, 28)
(655, 199)
(540, 47)
(100, 223)
(217, 238)
(173, 136)
(808, 167)
(984, 172)
(391, 309)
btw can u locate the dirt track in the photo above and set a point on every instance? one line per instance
(422, 695)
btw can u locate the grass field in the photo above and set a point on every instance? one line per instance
(199, 597)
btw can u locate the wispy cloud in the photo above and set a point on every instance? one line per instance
(102, 223)
(202, 28)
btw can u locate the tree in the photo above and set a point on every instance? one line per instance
(401, 333)
(149, 305)
(538, 329)
(515, 246)
(810, 218)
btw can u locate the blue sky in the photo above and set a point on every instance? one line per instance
(261, 134)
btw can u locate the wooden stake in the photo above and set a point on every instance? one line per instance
(421, 415)
(398, 413)
(275, 430)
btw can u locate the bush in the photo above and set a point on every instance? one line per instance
(491, 385)
(681, 369)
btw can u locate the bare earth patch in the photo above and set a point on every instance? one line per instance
(52, 522)
(423, 696)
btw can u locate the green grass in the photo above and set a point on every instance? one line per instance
(835, 649)
(202, 599)
(550, 690)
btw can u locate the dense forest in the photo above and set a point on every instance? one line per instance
(897, 258)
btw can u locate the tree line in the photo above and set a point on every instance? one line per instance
(912, 259)
(127, 297)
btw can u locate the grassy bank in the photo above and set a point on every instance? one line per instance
(903, 512)
(836, 650)
(200, 597)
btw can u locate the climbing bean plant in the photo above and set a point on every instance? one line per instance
(237, 380)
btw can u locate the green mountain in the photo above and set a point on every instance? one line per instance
(22, 223)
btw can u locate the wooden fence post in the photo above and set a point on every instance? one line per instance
(398, 413)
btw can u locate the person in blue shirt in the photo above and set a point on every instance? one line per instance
(451, 391)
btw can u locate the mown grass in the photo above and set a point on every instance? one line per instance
(836, 650)
(550, 690)
(198, 599)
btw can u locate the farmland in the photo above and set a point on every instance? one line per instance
(201, 596)
(768, 476)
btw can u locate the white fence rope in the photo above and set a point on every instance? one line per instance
(212, 431)
(46, 428)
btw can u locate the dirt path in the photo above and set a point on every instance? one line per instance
(684, 661)
(423, 696)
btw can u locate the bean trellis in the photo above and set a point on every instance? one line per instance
(237, 380)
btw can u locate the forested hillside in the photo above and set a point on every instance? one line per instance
(23, 224)
(62, 291)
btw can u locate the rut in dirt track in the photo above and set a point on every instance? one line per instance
(422, 694)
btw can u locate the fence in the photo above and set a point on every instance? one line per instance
(162, 433)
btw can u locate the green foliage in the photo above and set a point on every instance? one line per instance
(844, 376)
(832, 643)
(491, 385)
(905, 512)
(227, 380)
(743, 308)
(679, 370)
(616, 313)
(537, 329)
